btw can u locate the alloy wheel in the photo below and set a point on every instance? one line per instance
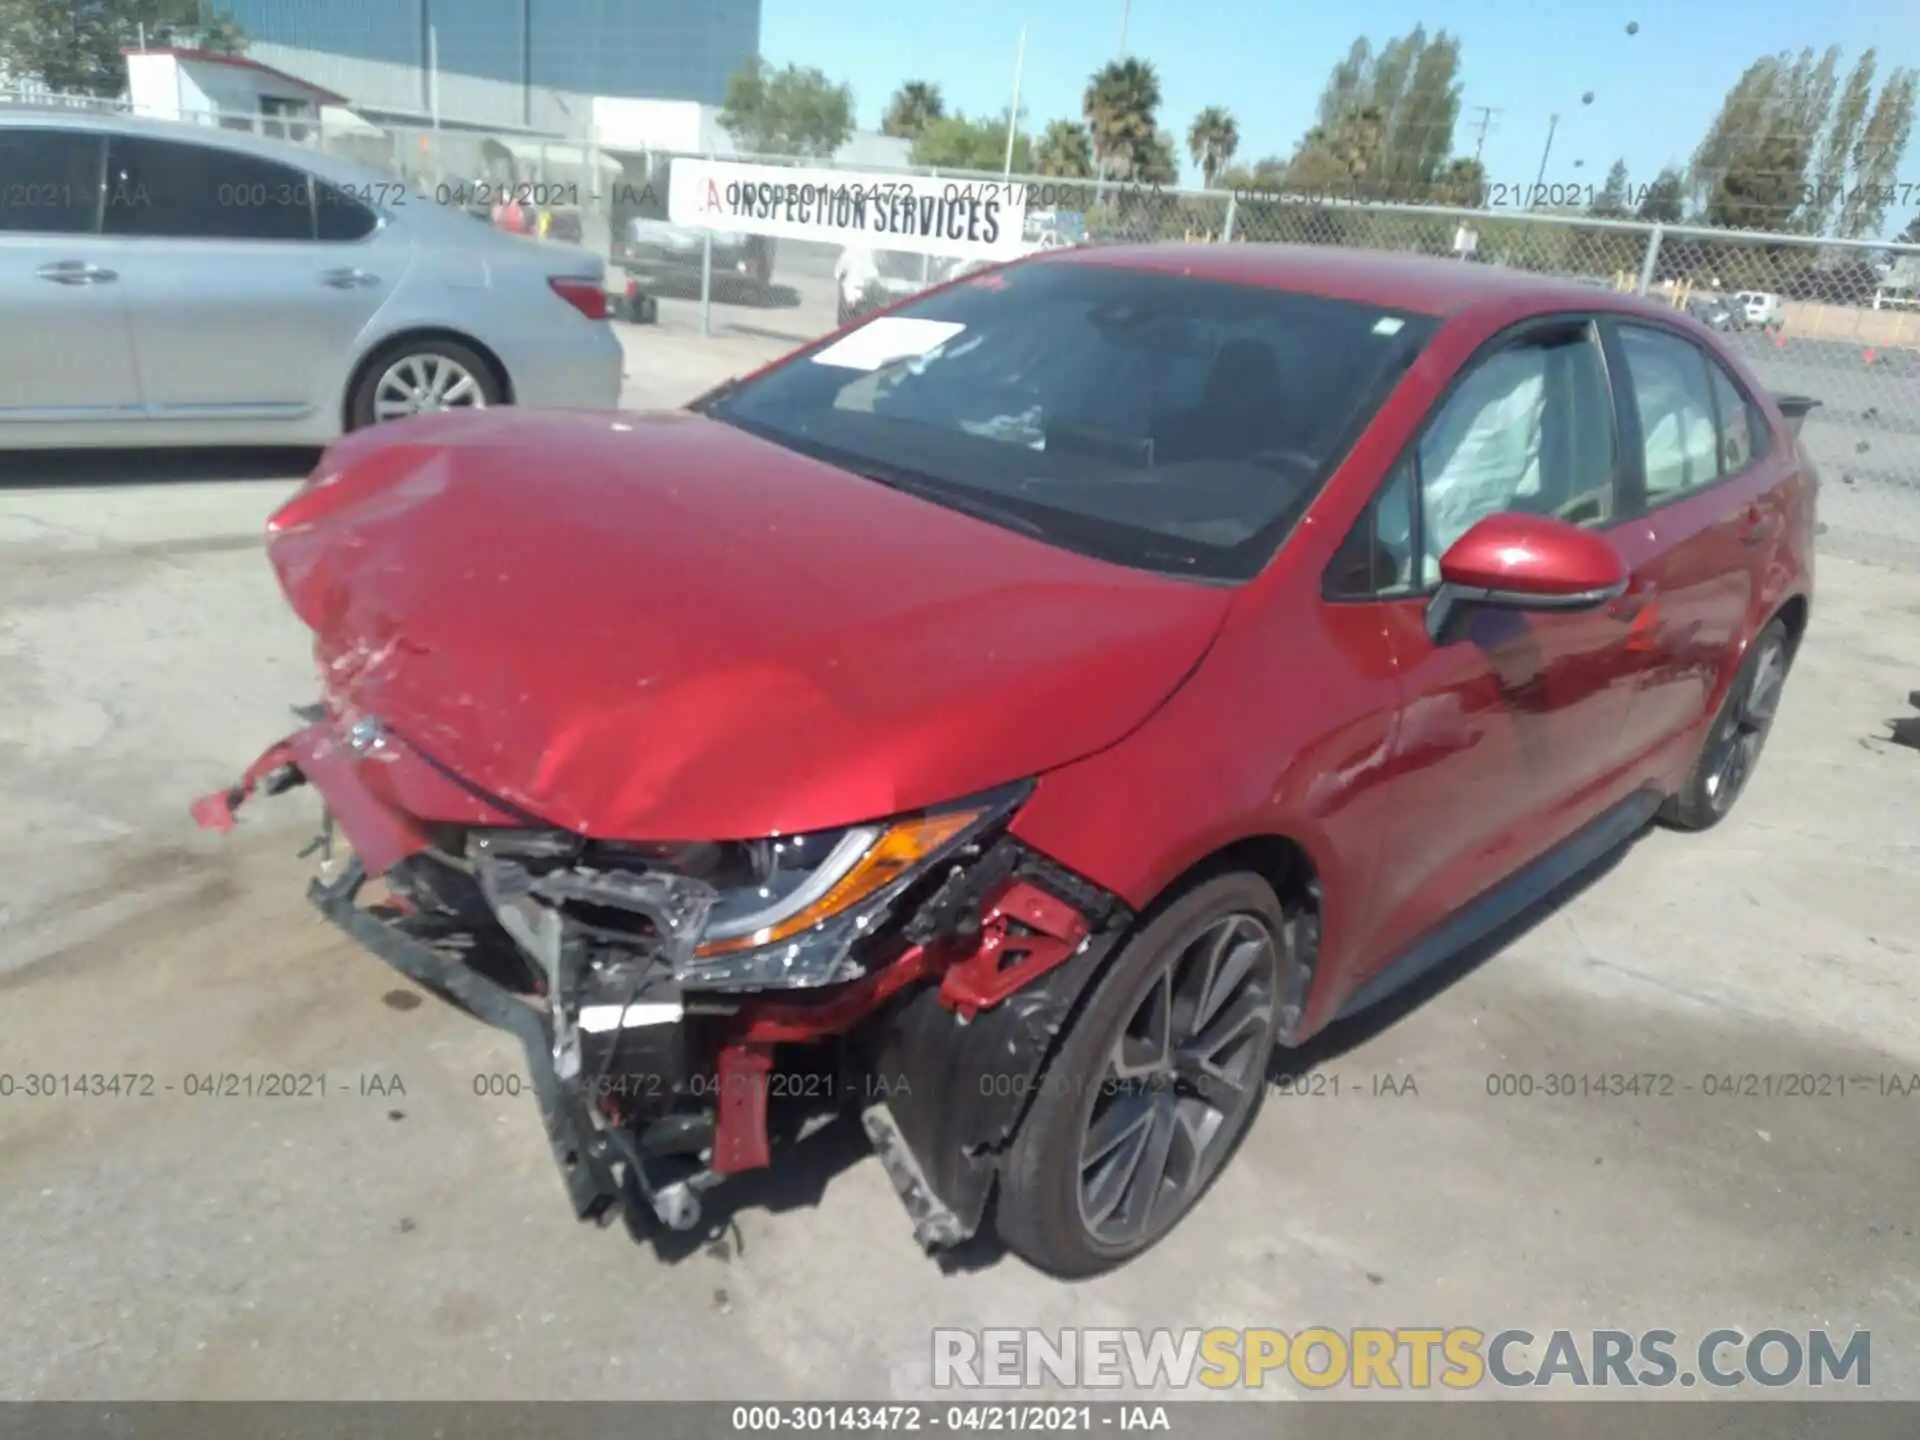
(1179, 1079)
(422, 383)
(1742, 730)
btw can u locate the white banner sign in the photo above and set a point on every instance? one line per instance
(970, 219)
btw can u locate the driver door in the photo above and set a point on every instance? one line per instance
(1511, 722)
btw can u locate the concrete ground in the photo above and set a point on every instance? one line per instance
(406, 1237)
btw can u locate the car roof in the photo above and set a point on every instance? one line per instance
(286, 152)
(1417, 284)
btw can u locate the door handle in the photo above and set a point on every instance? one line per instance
(348, 278)
(75, 272)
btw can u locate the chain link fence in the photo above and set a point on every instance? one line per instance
(1838, 321)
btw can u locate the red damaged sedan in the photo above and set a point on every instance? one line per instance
(1014, 717)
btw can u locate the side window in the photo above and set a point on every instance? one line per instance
(1671, 390)
(49, 181)
(171, 189)
(1742, 429)
(1375, 561)
(1529, 428)
(339, 216)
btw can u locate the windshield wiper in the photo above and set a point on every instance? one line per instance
(953, 499)
(704, 404)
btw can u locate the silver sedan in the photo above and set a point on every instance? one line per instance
(172, 284)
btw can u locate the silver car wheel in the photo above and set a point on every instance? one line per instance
(1178, 1081)
(421, 383)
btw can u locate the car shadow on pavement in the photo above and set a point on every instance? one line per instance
(797, 1179)
(21, 469)
(1356, 1030)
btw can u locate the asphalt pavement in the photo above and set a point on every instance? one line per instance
(404, 1234)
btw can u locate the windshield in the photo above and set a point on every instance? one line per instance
(1157, 421)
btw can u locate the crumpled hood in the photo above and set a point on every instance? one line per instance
(655, 626)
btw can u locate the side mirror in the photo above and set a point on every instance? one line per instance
(1515, 561)
(1793, 409)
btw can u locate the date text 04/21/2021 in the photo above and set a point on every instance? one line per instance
(194, 1085)
(1038, 1419)
(1711, 1085)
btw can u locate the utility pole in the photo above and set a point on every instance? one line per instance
(1125, 7)
(1013, 115)
(1540, 181)
(1487, 114)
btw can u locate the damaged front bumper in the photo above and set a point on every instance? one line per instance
(931, 1009)
(580, 1148)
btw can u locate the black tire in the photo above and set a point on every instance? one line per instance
(1041, 1213)
(1745, 719)
(362, 403)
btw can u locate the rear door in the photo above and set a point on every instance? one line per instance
(247, 284)
(66, 354)
(1511, 723)
(1703, 482)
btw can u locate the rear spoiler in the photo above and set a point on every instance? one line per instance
(1795, 408)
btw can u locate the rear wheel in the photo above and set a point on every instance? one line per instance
(1732, 749)
(417, 377)
(1154, 1084)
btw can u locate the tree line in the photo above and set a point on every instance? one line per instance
(1796, 147)
(74, 47)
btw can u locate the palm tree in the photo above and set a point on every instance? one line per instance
(1362, 139)
(1121, 105)
(1211, 141)
(1461, 182)
(914, 106)
(1065, 150)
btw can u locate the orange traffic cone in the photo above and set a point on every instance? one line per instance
(1869, 356)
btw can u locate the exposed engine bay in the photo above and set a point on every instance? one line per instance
(689, 1009)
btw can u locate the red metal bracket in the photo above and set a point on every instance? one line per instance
(1009, 959)
(215, 811)
(740, 1123)
(1025, 933)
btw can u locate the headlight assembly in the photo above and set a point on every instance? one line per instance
(793, 921)
(782, 912)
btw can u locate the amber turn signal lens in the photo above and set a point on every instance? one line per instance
(903, 846)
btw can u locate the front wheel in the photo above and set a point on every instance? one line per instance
(1154, 1084)
(1732, 748)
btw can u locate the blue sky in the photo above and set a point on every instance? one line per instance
(1654, 92)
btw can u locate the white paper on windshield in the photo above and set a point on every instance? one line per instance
(886, 339)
